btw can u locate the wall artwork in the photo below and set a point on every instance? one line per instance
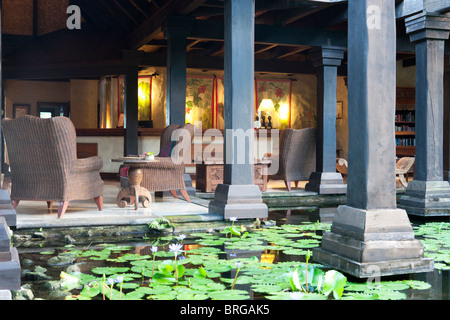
(20, 109)
(279, 91)
(199, 100)
(145, 98)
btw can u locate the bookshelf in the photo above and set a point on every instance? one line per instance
(405, 122)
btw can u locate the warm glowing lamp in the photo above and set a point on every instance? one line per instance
(284, 112)
(267, 107)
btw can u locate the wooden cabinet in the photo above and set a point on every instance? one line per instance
(405, 122)
(210, 175)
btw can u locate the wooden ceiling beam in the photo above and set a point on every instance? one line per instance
(126, 11)
(118, 18)
(91, 10)
(265, 48)
(139, 8)
(152, 26)
(292, 52)
(292, 17)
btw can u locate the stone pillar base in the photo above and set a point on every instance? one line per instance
(426, 198)
(378, 242)
(5, 295)
(326, 183)
(240, 201)
(9, 260)
(10, 272)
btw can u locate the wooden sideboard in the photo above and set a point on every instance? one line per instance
(210, 175)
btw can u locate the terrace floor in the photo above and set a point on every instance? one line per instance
(34, 214)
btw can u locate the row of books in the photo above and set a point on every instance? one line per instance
(405, 141)
(405, 128)
(408, 116)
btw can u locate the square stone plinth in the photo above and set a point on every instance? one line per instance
(426, 198)
(362, 241)
(240, 201)
(326, 183)
(10, 272)
(372, 269)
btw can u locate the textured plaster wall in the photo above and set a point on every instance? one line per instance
(32, 92)
(84, 102)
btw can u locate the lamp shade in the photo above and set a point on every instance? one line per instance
(266, 105)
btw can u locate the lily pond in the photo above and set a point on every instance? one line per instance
(270, 260)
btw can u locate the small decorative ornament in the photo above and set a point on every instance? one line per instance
(149, 156)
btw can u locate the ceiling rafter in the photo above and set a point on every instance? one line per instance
(126, 11)
(139, 8)
(116, 15)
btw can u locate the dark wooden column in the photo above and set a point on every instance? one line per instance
(325, 180)
(132, 60)
(447, 119)
(238, 196)
(176, 31)
(370, 236)
(428, 32)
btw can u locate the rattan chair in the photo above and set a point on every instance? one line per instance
(43, 161)
(402, 169)
(167, 173)
(297, 157)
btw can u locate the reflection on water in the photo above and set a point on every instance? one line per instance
(439, 279)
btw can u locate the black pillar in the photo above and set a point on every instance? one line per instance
(176, 31)
(132, 60)
(370, 236)
(238, 196)
(325, 180)
(428, 194)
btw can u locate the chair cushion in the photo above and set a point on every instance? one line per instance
(166, 151)
(124, 171)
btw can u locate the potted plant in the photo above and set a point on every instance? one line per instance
(149, 156)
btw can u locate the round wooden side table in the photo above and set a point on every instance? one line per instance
(135, 190)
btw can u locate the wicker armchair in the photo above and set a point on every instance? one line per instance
(402, 170)
(44, 166)
(167, 173)
(297, 157)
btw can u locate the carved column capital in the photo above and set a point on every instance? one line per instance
(427, 26)
(327, 56)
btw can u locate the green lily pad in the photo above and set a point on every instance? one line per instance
(191, 296)
(266, 288)
(109, 270)
(232, 294)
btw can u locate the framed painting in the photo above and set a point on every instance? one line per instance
(20, 109)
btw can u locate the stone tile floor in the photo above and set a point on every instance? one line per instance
(34, 214)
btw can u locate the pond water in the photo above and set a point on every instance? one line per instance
(239, 262)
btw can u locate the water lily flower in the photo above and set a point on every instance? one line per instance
(181, 237)
(176, 247)
(154, 249)
(238, 264)
(119, 279)
(110, 281)
(233, 219)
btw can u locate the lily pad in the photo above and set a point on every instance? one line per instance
(109, 270)
(232, 294)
